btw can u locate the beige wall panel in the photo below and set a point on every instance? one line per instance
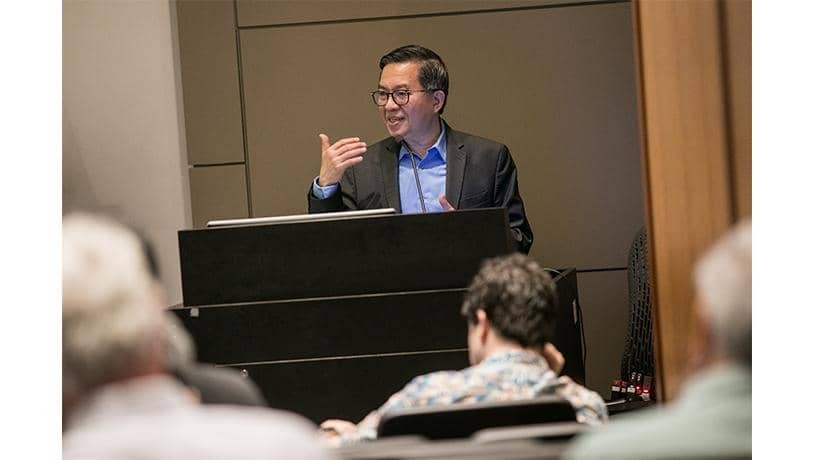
(604, 300)
(270, 12)
(122, 147)
(737, 16)
(687, 161)
(209, 72)
(218, 192)
(555, 84)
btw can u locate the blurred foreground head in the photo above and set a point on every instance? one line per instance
(722, 280)
(111, 310)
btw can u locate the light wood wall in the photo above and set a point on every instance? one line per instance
(694, 66)
(554, 80)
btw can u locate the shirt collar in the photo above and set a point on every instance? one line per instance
(517, 356)
(440, 146)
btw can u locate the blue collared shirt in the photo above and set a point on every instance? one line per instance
(431, 170)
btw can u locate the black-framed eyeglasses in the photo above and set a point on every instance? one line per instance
(400, 96)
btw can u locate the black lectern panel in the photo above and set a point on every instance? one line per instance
(347, 388)
(330, 317)
(296, 329)
(568, 336)
(340, 257)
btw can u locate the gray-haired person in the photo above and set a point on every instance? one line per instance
(711, 418)
(118, 399)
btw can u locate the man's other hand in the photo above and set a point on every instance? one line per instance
(446, 206)
(332, 429)
(553, 357)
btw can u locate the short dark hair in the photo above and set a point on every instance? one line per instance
(518, 296)
(433, 74)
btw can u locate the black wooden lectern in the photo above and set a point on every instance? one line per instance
(331, 317)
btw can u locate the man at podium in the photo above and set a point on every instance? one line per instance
(424, 165)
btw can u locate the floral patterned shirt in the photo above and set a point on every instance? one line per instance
(509, 375)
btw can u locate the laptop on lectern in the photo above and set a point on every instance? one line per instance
(301, 217)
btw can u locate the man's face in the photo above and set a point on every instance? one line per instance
(416, 120)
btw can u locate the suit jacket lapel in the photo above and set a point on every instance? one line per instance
(457, 160)
(388, 163)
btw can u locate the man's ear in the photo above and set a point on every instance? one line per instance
(482, 324)
(439, 97)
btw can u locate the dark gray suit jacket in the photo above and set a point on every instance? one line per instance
(480, 174)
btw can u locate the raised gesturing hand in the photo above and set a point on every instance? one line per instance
(335, 158)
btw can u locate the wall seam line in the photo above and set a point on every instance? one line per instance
(242, 99)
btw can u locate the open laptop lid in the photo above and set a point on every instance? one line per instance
(301, 217)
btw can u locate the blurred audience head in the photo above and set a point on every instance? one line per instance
(515, 298)
(112, 316)
(722, 279)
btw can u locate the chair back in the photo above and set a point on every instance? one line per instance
(462, 420)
